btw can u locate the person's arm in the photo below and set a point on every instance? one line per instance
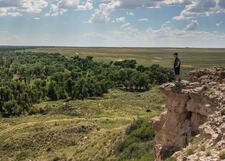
(178, 63)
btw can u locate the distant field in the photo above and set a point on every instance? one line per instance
(191, 58)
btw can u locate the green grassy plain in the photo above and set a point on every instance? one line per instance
(90, 130)
(192, 58)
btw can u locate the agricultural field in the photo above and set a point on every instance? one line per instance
(111, 125)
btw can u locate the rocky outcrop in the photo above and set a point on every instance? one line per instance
(193, 109)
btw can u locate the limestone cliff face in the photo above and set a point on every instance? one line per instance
(193, 108)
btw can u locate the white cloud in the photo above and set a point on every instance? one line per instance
(130, 13)
(192, 8)
(5, 12)
(68, 4)
(63, 6)
(120, 19)
(101, 15)
(74, 4)
(177, 2)
(199, 8)
(57, 7)
(192, 26)
(15, 7)
(132, 4)
(169, 36)
(165, 36)
(54, 10)
(14, 14)
(143, 20)
(219, 23)
(36, 18)
(125, 25)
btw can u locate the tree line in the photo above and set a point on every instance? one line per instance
(28, 78)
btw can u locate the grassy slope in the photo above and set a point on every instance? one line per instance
(78, 130)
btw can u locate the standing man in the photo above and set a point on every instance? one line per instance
(177, 64)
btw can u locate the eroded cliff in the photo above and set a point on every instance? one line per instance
(194, 109)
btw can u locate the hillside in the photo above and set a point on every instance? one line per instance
(78, 130)
(193, 126)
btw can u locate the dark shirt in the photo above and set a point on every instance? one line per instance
(176, 62)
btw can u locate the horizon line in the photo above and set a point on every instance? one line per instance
(71, 46)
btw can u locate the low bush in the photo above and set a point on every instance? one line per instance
(208, 153)
(138, 141)
(190, 151)
(223, 112)
(222, 154)
(171, 159)
(202, 148)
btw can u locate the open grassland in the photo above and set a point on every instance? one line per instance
(77, 130)
(192, 58)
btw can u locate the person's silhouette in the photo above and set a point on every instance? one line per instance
(177, 64)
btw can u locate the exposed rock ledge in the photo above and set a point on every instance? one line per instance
(193, 108)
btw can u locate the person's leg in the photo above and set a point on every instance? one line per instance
(178, 75)
(177, 78)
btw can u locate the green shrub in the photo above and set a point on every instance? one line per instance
(140, 129)
(21, 156)
(138, 141)
(190, 151)
(171, 159)
(222, 154)
(127, 142)
(11, 108)
(134, 125)
(202, 148)
(147, 157)
(223, 112)
(208, 153)
(56, 158)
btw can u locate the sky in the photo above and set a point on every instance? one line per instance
(113, 23)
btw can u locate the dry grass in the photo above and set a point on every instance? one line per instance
(84, 130)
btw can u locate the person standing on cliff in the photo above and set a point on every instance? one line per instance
(177, 64)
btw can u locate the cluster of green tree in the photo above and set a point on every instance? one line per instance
(28, 78)
(138, 142)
